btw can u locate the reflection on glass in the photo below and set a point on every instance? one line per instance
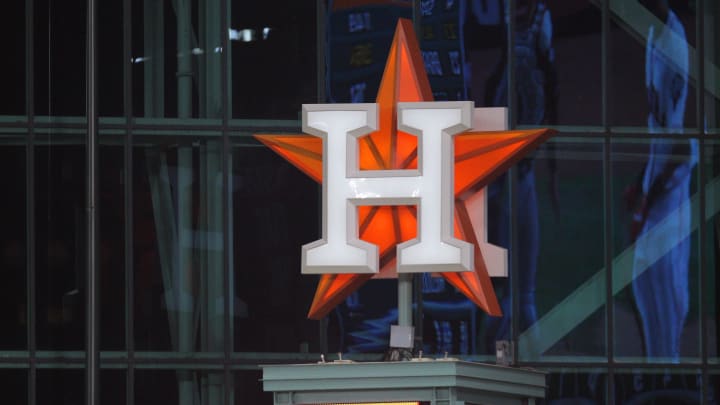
(557, 51)
(359, 34)
(176, 59)
(570, 285)
(666, 69)
(661, 230)
(534, 67)
(450, 321)
(535, 105)
(575, 71)
(441, 41)
(658, 386)
(576, 387)
(362, 323)
(657, 263)
(654, 42)
(274, 211)
(484, 49)
(534, 58)
(13, 248)
(181, 387)
(528, 243)
(60, 246)
(711, 287)
(712, 66)
(661, 222)
(179, 300)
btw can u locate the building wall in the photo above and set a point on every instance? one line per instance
(200, 227)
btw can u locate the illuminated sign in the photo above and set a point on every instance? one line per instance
(429, 187)
(350, 147)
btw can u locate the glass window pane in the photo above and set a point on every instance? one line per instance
(273, 49)
(712, 65)
(275, 210)
(178, 251)
(484, 51)
(12, 81)
(112, 387)
(653, 70)
(110, 58)
(655, 263)
(13, 245)
(499, 225)
(111, 245)
(713, 390)
(60, 246)
(658, 386)
(248, 388)
(60, 40)
(557, 60)
(712, 246)
(15, 390)
(361, 324)
(561, 267)
(177, 59)
(358, 38)
(578, 386)
(178, 387)
(442, 48)
(60, 386)
(575, 56)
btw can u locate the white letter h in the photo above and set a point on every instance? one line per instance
(345, 186)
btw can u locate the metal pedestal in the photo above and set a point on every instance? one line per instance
(435, 382)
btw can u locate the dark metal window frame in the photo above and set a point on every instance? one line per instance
(231, 361)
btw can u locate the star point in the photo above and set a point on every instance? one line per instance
(480, 157)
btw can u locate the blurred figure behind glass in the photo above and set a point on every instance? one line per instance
(660, 286)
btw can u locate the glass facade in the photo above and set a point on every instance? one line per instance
(612, 227)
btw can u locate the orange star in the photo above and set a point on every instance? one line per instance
(480, 157)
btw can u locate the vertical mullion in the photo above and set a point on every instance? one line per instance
(30, 199)
(320, 13)
(128, 192)
(416, 287)
(322, 55)
(512, 97)
(607, 200)
(604, 63)
(512, 184)
(92, 352)
(702, 240)
(607, 233)
(701, 175)
(228, 288)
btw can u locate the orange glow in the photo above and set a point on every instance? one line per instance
(372, 403)
(480, 157)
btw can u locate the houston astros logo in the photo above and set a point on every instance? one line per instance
(428, 188)
(402, 183)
